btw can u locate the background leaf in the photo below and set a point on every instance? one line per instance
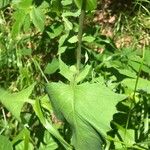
(14, 102)
(56, 30)
(49, 143)
(91, 4)
(19, 17)
(143, 84)
(5, 144)
(38, 18)
(52, 67)
(4, 3)
(68, 25)
(23, 140)
(56, 6)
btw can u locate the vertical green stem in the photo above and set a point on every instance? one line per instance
(135, 88)
(80, 33)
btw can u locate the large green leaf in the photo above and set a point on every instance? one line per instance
(5, 144)
(14, 102)
(88, 108)
(90, 4)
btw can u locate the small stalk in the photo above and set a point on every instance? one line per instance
(134, 94)
(41, 71)
(80, 33)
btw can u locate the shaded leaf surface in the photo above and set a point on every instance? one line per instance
(88, 108)
(48, 125)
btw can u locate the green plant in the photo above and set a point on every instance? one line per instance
(99, 93)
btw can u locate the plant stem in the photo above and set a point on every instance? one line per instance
(42, 73)
(80, 33)
(134, 94)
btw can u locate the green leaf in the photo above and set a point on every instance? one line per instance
(67, 23)
(27, 23)
(143, 84)
(16, 1)
(71, 14)
(52, 67)
(4, 3)
(146, 22)
(73, 39)
(146, 57)
(91, 4)
(14, 101)
(83, 73)
(56, 30)
(20, 146)
(136, 65)
(48, 125)
(5, 144)
(62, 49)
(38, 18)
(88, 39)
(19, 17)
(62, 39)
(129, 138)
(24, 137)
(66, 2)
(22, 4)
(66, 71)
(56, 6)
(45, 103)
(127, 72)
(49, 143)
(20, 136)
(85, 107)
(26, 52)
(128, 135)
(70, 73)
